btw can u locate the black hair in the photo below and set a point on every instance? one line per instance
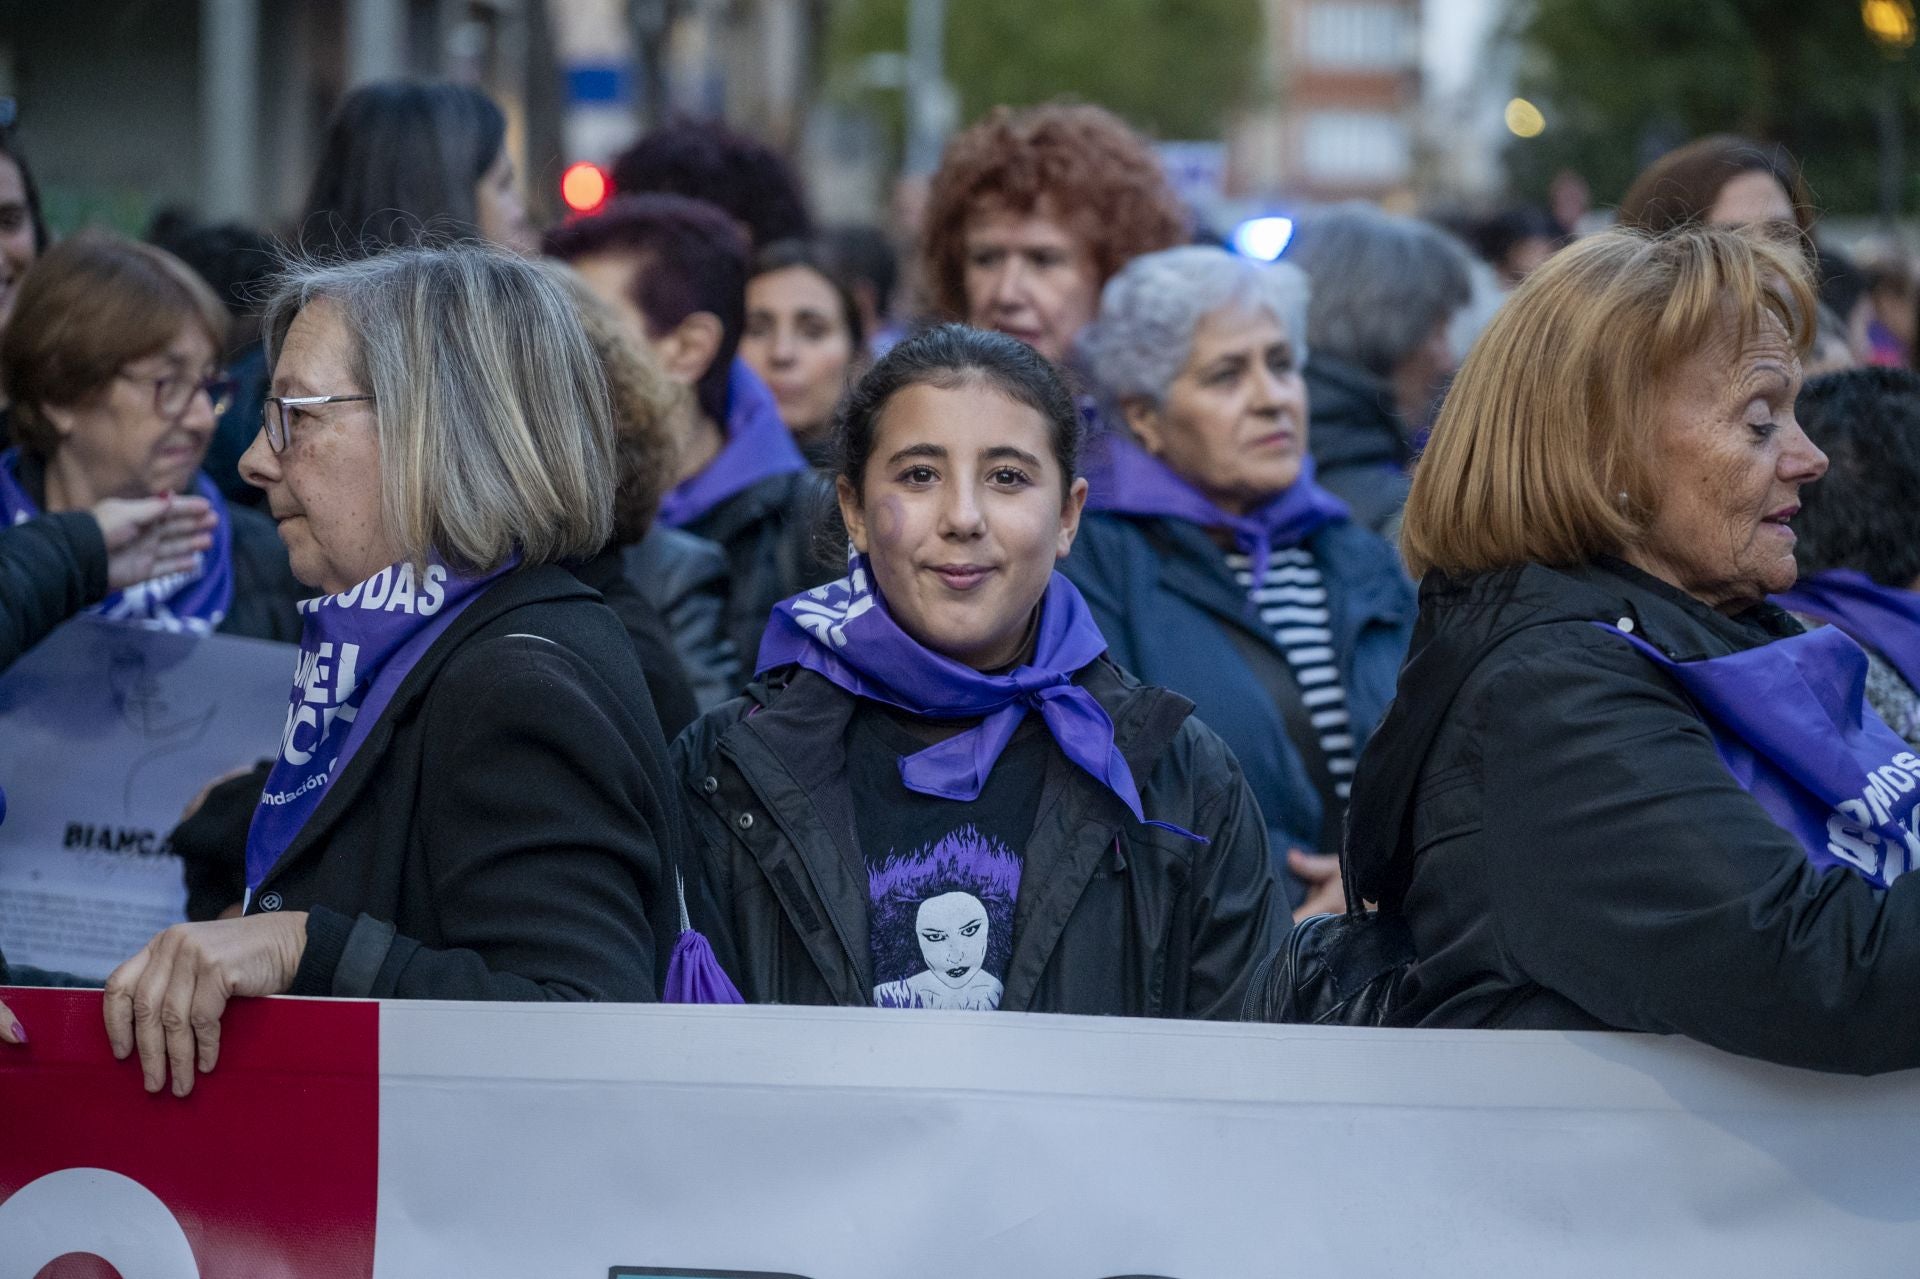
(866, 256)
(1862, 514)
(238, 262)
(692, 258)
(951, 356)
(400, 165)
(708, 161)
(817, 257)
(32, 192)
(1495, 236)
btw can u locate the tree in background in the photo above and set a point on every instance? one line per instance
(1623, 81)
(1175, 68)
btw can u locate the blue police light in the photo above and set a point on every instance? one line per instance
(1263, 238)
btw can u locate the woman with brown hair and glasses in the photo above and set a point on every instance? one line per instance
(110, 363)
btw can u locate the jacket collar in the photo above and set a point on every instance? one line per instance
(1191, 566)
(1463, 619)
(792, 755)
(535, 585)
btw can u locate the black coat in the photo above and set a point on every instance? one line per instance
(500, 832)
(1360, 449)
(685, 579)
(1113, 916)
(768, 534)
(667, 684)
(1571, 853)
(50, 569)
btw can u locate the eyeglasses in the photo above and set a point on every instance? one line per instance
(173, 393)
(277, 414)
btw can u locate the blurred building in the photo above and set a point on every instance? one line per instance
(1342, 86)
(126, 106)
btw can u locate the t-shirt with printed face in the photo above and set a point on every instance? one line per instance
(942, 876)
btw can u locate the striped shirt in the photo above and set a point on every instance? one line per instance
(1293, 602)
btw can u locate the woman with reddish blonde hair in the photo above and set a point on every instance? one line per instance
(1032, 211)
(1617, 787)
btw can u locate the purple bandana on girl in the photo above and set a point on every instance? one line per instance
(1138, 483)
(1882, 618)
(194, 601)
(758, 447)
(1792, 724)
(844, 632)
(355, 651)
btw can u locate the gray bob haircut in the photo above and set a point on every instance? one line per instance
(495, 422)
(1143, 335)
(1382, 283)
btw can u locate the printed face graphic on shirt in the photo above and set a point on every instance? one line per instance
(953, 936)
(942, 923)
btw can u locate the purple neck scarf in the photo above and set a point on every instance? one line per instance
(1138, 483)
(843, 631)
(1792, 725)
(192, 602)
(355, 651)
(1882, 618)
(758, 447)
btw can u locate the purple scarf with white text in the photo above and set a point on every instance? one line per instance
(355, 651)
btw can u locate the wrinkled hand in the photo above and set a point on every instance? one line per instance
(1326, 895)
(167, 1000)
(150, 537)
(10, 1028)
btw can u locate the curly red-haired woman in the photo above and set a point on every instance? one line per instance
(1033, 210)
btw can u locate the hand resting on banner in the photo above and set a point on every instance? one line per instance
(167, 1000)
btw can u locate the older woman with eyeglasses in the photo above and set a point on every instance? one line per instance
(110, 362)
(470, 800)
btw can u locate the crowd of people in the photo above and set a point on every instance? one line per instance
(696, 603)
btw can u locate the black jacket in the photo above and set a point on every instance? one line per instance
(767, 533)
(1113, 916)
(685, 579)
(50, 569)
(1360, 449)
(500, 832)
(1571, 853)
(673, 701)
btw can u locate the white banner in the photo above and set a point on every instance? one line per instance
(107, 730)
(600, 1141)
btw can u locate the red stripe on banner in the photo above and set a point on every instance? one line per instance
(270, 1168)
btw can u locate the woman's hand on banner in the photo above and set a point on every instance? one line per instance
(150, 537)
(11, 1032)
(167, 1001)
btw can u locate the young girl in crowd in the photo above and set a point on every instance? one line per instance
(940, 793)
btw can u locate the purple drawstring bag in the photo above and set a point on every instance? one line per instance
(694, 975)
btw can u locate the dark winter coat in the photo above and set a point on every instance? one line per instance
(1173, 615)
(1113, 916)
(1570, 852)
(500, 833)
(1359, 445)
(767, 533)
(667, 684)
(685, 579)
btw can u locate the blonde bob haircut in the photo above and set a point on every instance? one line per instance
(495, 424)
(1543, 452)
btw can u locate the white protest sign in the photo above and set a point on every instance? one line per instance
(106, 732)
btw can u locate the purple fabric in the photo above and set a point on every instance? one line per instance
(192, 602)
(758, 447)
(1138, 483)
(843, 632)
(1882, 618)
(355, 651)
(1792, 725)
(694, 976)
